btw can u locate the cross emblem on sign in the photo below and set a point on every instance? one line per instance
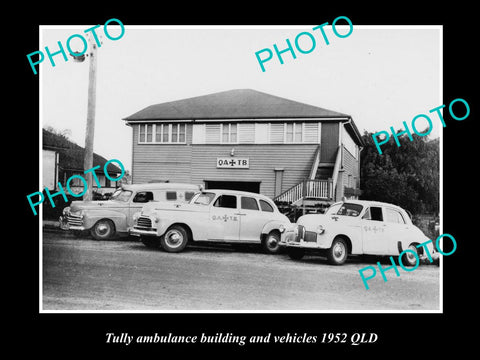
(225, 217)
(232, 162)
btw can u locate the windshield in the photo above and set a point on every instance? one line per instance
(333, 209)
(348, 209)
(202, 198)
(121, 195)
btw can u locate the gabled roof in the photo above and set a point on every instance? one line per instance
(232, 104)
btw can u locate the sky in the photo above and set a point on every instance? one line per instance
(379, 75)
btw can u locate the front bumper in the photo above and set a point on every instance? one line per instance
(301, 238)
(69, 223)
(143, 226)
(143, 232)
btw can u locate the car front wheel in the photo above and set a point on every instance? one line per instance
(175, 239)
(271, 243)
(338, 252)
(103, 230)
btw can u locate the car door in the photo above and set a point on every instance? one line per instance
(224, 219)
(374, 232)
(397, 228)
(252, 219)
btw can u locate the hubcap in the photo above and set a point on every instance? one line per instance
(410, 257)
(174, 238)
(338, 251)
(102, 229)
(272, 242)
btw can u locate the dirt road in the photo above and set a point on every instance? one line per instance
(83, 274)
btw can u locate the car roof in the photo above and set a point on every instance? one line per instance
(161, 186)
(371, 203)
(237, 192)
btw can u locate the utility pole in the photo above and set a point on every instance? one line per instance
(90, 129)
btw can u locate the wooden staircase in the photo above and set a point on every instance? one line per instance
(310, 195)
(307, 189)
(306, 197)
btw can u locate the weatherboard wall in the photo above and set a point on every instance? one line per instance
(196, 163)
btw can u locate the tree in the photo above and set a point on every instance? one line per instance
(407, 176)
(65, 133)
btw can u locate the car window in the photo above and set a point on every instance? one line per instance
(121, 195)
(249, 203)
(143, 197)
(393, 216)
(265, 206)
(189, 195)
(373, 213)
(171, 195)
(226, 201)
(367, 215)
(348, 209)
(333, 209)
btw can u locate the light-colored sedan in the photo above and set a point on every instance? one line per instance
(104, 219)
(355, 227)
(212, 215)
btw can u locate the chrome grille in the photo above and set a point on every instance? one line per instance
(144, 222)
(310, 236)
(74, 220)
(300, 233)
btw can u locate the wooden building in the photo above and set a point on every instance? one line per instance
(249, 140)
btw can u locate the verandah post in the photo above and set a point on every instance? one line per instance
(304, 193)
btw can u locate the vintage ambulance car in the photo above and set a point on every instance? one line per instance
(212, 215)
(104, 219)
(356, 227)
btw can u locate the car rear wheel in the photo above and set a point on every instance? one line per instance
(103, 230)
(175, 239)
(408, 258)
(338, 252)
(295, 253)
(271, 243)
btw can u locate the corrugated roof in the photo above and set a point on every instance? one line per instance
(232, 104)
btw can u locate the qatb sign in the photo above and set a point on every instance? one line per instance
(233, 163)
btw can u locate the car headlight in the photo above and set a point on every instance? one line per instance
(136, 216)
(281, 228)
(66, 210)
(320, 229)
(79, 213)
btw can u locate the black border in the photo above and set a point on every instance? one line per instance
(417, 334)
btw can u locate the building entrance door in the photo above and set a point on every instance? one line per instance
(250, 186)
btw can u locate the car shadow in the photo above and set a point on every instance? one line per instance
(207, 247)
(352, 259)
(358, 260)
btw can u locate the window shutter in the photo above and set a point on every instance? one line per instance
(311, 132)
(212, 133)
(246, 133)
(276, 133)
